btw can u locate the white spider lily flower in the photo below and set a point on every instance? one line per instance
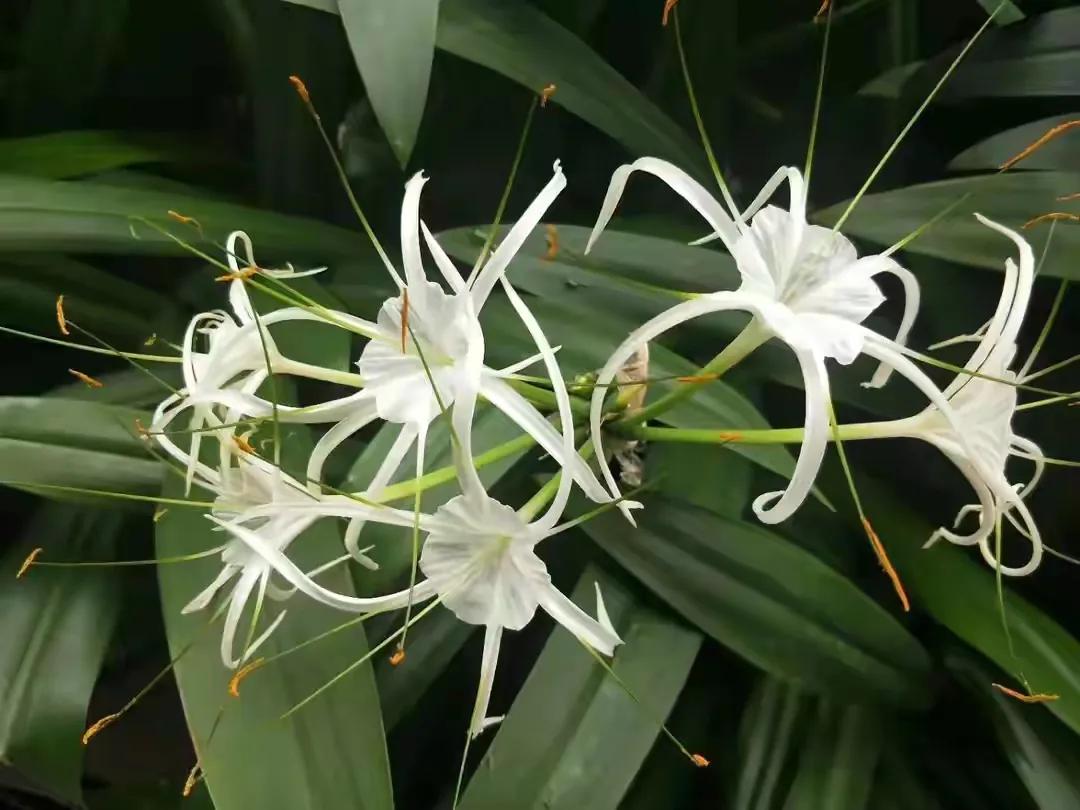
(802, 283)
(427, 350)
(481, 558)
(985, 409)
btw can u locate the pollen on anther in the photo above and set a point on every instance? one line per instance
(29, 561)
(886, 564)
(301, 88)
(239, 275)
(1052, 133)
(98, 726)
(193, 777)
(699, 760)
(698, 378)
(547, 93)
(397, 657)
(61, 321)
(1051, 217)
(244, 445)
(822, 9)
(185, 220)
(86, 378)
(243, 672)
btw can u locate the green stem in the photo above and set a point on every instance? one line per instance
(744, 343)
(313, 372)
(854, 432)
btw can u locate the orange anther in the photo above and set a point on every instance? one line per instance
(1022, 697)
(546, 94)
(193, 777)
(699, 760)
(239, 275)
(61, 321)
(86, 378)
(1039, 144)
(729, 436)
(244, 444)
(301, 88)
(397, 657)
(184, 220)
(698, 378)
(98, 726)
(1052, 216)
(404, 317)
(821, 11)
(886, 565)
(669, 5)
(140, 428)
(551, 233)
(243, 672)
(28, 562)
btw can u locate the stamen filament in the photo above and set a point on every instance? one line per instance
(153, 358)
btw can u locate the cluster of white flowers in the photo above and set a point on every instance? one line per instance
(424, 359)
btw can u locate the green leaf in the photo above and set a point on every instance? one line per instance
(60, 155)
(891, 83)
(329, 6)
(836, 769)
(1011, 199)
(74, 443)
(57, 624)
(768, 741)
(768, 600)
(521, 43)
(573, 738)
(959, 591)
(393, 44)
(51, 216)
(1045, 756)
(988, 154)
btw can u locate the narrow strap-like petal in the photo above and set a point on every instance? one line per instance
(812, 451)
(547, 521)
(500, 394)
(907, 320)
(681, 183)
(362, 416)
(583, 626)
(202, 599)
(237, 602)
(442, 261)
(1030, 532)
(410, 239)
(488, 663)
(499, 261)
(387, 469)
(289, 571)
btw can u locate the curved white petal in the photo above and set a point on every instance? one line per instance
(681, 183)
(587, 629)
(289, 571)
(363, 415)
(1025, 279)
(1032, 535)
(442, 261)
(204, 596)
(812, 452)
(500, 394)
(547, 521)
(237, 601)
(410, 239)
(499, 260)
(912, 297)
(389, 466)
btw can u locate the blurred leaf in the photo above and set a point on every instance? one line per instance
(768, 600)
(959, 592)
(836, 769)
(573, 738)
(65, 49)
(898, 786)
(890, 84)
(98, 300)
(330, 6)
(1010, 199)
(393, 44)
(74, 443)
(768, 742)
(989, 154)
(57, 624)
(41, 215)
(521, 43)
(1037, 57)
(60, 155)
(1046, 757)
